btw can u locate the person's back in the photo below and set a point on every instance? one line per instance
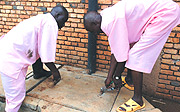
(22, 44)
(135, 15)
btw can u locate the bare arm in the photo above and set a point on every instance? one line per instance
(112, 69)
(55, 72)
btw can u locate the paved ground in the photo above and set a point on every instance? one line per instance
(77, 92)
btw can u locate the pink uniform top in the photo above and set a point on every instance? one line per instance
(25, 43)
(125, 22)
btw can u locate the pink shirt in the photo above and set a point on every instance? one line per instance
(125, 22)
(25, 43)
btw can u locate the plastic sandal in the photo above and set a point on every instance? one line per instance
(129, 106)
(131, 88)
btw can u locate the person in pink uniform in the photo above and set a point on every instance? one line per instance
(137, 31)
(30, 40)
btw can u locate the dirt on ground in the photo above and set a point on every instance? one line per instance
(164, 105)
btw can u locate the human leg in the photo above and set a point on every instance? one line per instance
(127, 81)
(136, 102)
(38, 70)
(137, 78)
(15, 91)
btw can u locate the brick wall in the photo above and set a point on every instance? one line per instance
(169, 76)
(73, 39)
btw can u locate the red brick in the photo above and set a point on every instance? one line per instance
(23, 3)
(177, 73)
(178, 63)
(74, 1)
(172, 34)
(74, 43)
(107, 53)
(81, 35)
(171, 51)
(28, 8)
(74, 20)
(53, 4)
(102, 61)
(65, 4)
(84, 58)
(74, 39)
(73, 15)
(7, 7)
(61, 42)
(163, 66)
(178, 78)
(108, 58)
(80, 25)
(80, 11)
(178, 35)
(61, 32)
(168, 61)
(81, 30)
(24, 16)
(170, 87)
(80, 15)
(168, 45)
(74, 34)
(67, 52)
(173, 40)
(164, 81)
(81, 45)
(67, 34)
(80, 54)
(23, 12)
(104, 2)
(177, 88)
(175, 93)
(62, 37)
(169, 72)
(69, 10)
(175, 57)
(73, 24)
(81, 49)
(34, 3)
(74, 52)
(162, 76)
(68, 43)
(20, 7)
(161, 85)
(174, 68)
(8, 11)
(162, 90)
(99, 52)
(67, 29)
(177, 46)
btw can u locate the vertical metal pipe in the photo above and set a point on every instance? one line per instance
(93, 6)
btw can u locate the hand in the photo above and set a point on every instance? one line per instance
(117, 82)
(56, 77)
(108, 82)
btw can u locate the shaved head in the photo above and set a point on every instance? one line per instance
(60, 14)
(92, 22)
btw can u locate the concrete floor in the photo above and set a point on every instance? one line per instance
(76, 92)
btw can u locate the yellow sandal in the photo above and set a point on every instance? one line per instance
(129, 106)
(131, 88)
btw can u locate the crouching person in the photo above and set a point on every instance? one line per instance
(30, 40)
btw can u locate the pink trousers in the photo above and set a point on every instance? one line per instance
(15, 90)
